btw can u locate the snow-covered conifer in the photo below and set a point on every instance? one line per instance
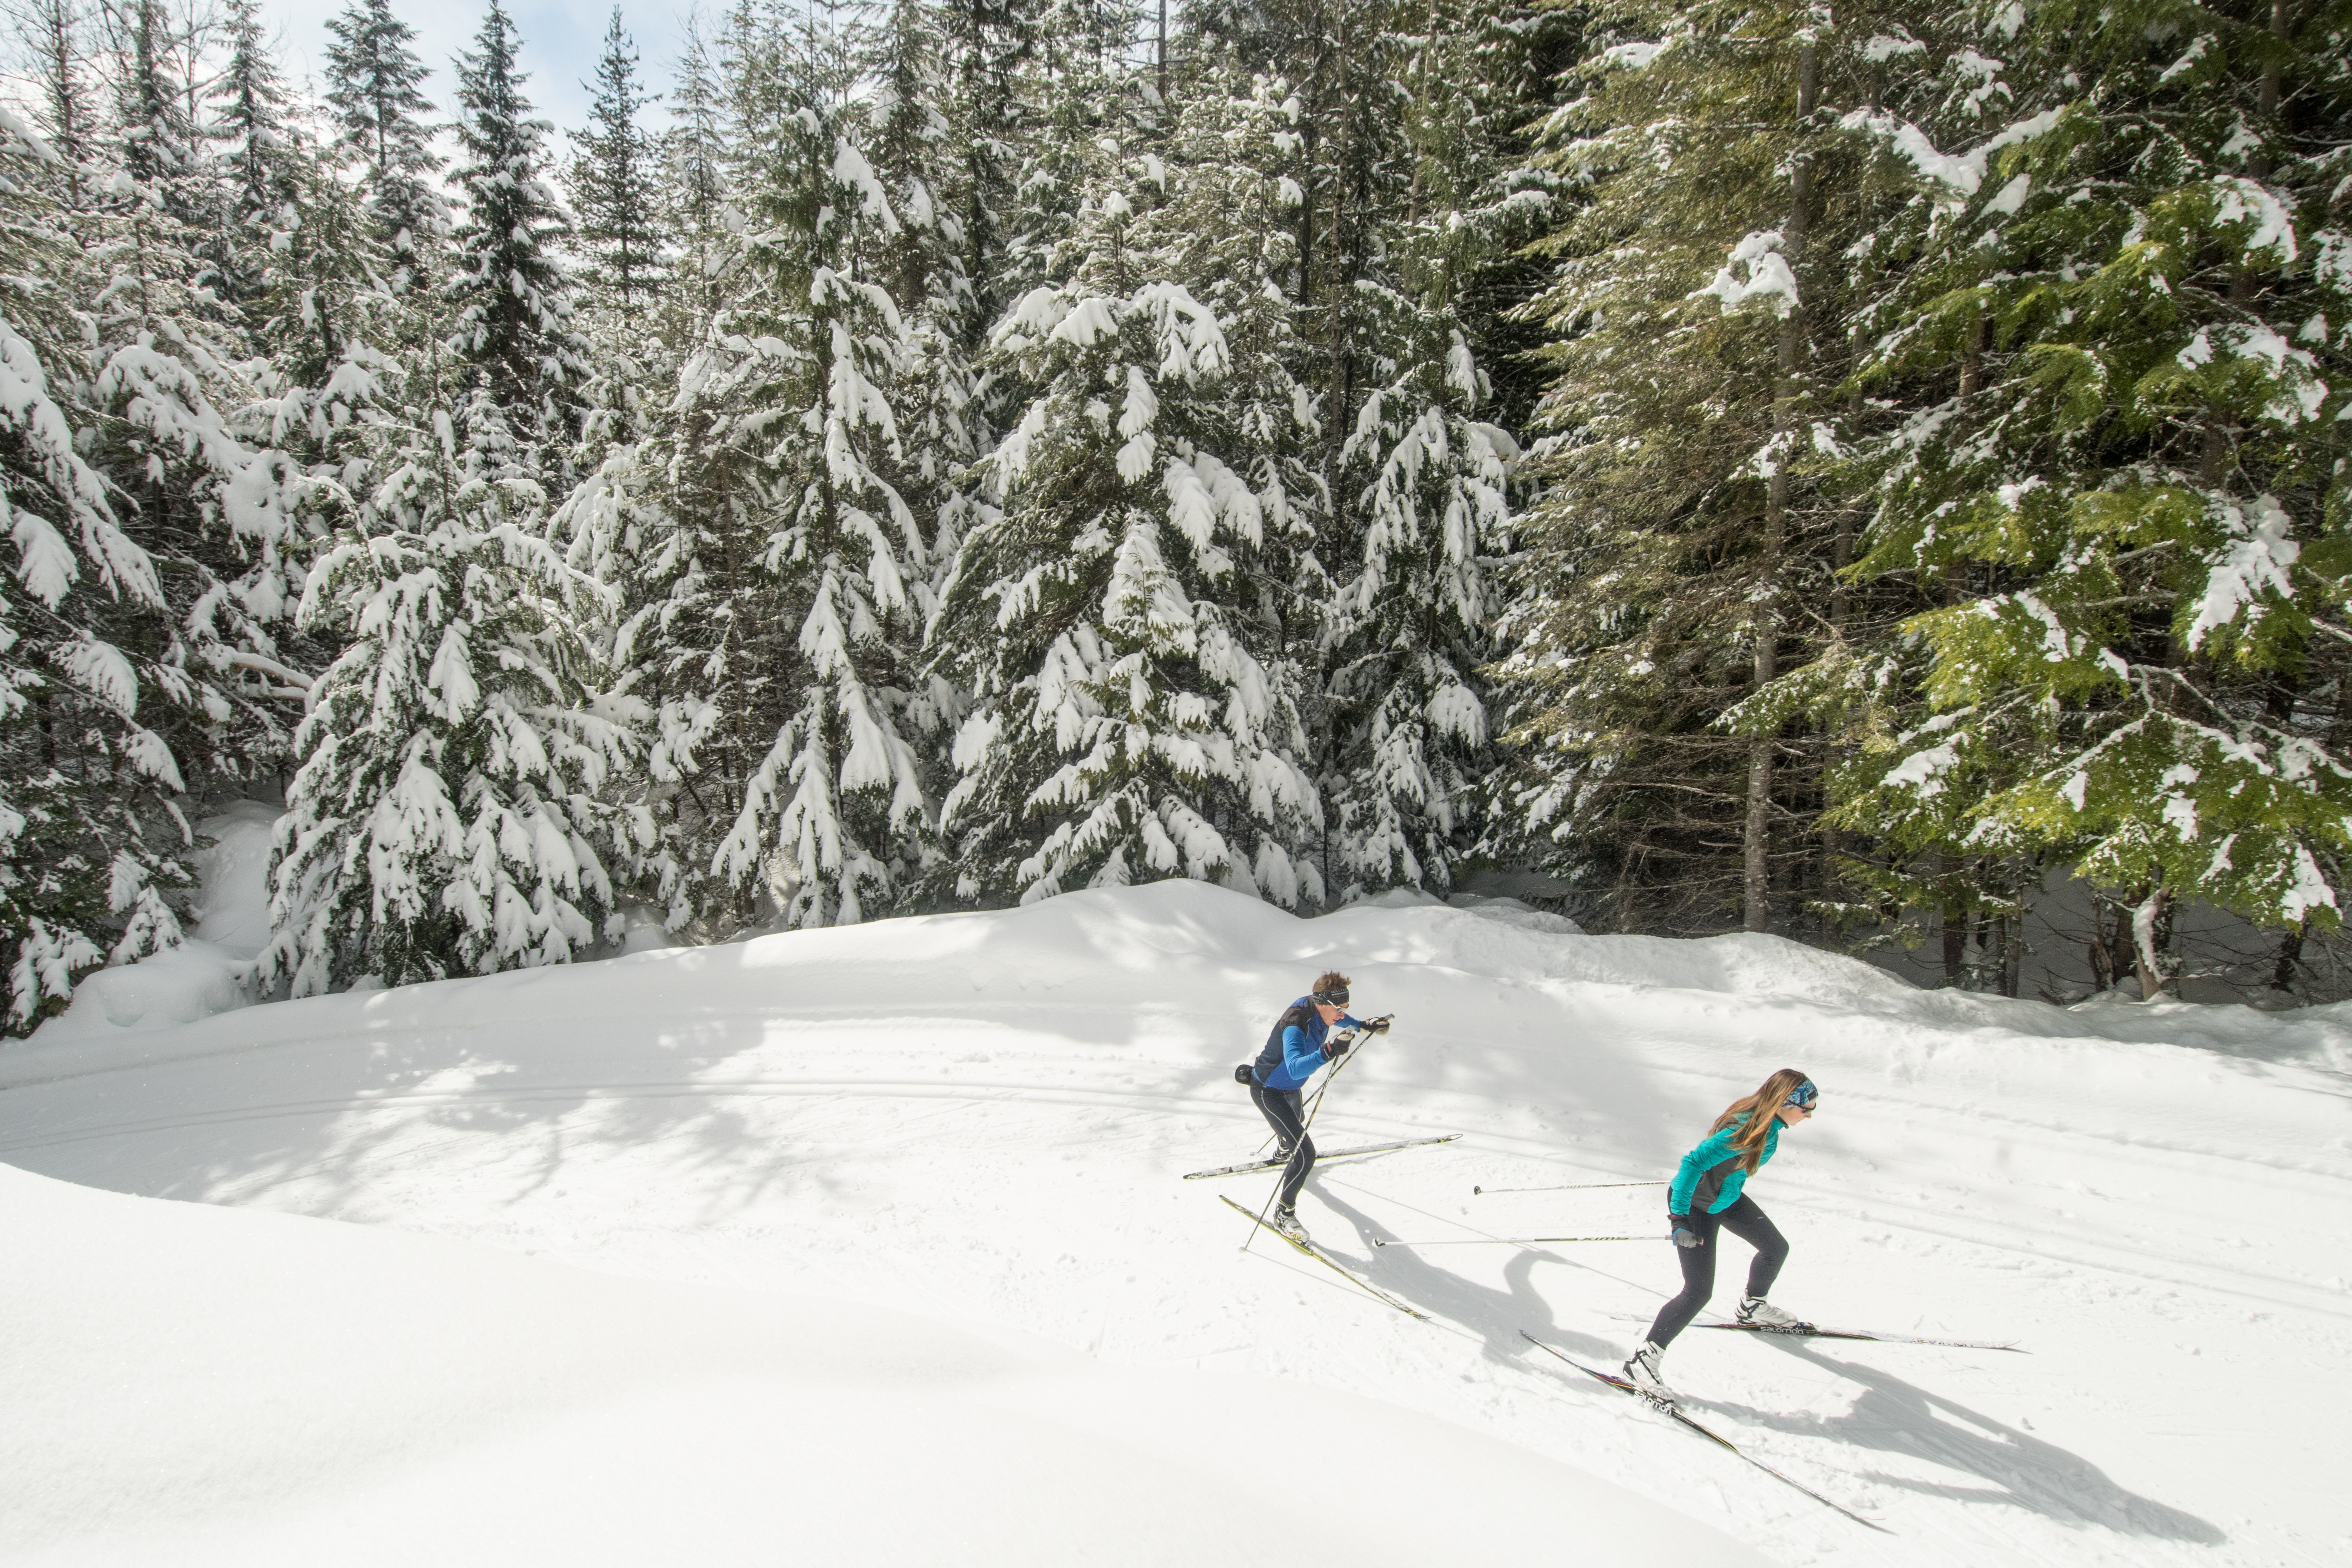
(1127, 724)
(88, 830)
(2118, 360)
(523, 360)
(448, 817)
(1684, 539)
(373, 87)
(170, 375)
(982, 48)
(833, 816)
(923, 263)
(249, 124)
(612, 183)
(1422, 491)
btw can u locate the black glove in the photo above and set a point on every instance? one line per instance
(1379, 1026)
(1337, 1047)
(1684, 1233)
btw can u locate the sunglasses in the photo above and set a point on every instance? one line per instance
(1806, 1098)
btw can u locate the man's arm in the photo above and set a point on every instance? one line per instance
(1297, 1056)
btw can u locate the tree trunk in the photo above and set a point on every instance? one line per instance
(1955, 918)
(1757, 887)
(2290, 957)
(2151, 930)
(2012, 948)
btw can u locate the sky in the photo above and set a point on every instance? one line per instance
(559, 44)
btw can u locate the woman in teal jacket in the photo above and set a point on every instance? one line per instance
(1708, 1197)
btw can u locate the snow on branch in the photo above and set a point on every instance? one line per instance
(1963, 173)
(1767, 279)
(2255, 562)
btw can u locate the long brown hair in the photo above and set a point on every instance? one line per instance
(1762, 1110)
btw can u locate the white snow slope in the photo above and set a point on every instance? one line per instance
(869, 1245)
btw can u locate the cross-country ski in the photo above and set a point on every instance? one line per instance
(1325, 1156)
(1815, 1332)
(1308, 1249)
(1663, 1401)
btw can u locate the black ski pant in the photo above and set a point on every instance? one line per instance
(1742, 1219)
(1283, 1112)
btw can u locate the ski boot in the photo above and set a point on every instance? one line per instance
(1642, 1371)
(1759, 1313)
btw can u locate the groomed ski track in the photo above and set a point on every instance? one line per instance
(985, 1119)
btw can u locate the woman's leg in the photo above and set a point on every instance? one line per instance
(1698, 1283)
(1745, 1221)
(1281, 1108)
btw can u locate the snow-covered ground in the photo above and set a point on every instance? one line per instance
(869, 1245)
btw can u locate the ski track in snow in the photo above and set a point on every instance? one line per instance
(982, 1119)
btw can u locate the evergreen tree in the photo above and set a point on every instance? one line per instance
(1684, 527)
(2120, 466)
(54, 46)
(985, 48)
(673, 516)
(834, 816)
(169, 379)
(373, 87)
(1125, 725)
(250, 128)
(692, 155)
(448, 817)
(329, 326)
(941, 428)
(779, 571)
(1073, 99)
(1424, 496)
(90, 835)
(523, 361)
(612, 183)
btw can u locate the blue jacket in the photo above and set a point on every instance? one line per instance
(1710, 1177)
(1295, 1050)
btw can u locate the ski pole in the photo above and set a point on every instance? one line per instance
(1573, 1187)
(1316, 1104)
(1513, 1240)
(1308, 1121)
(1304, 1122)
(1324, 1088)
(1332, 1076)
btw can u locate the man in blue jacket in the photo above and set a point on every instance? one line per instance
(1296, 1049)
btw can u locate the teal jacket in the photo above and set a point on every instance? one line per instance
(1710, 1177)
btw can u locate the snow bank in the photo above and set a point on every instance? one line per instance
(235, 876)
(177, 985)
(204, 975)
(205, 1385)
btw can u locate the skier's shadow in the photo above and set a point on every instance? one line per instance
(2021, 1469)
(1496, 1317)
